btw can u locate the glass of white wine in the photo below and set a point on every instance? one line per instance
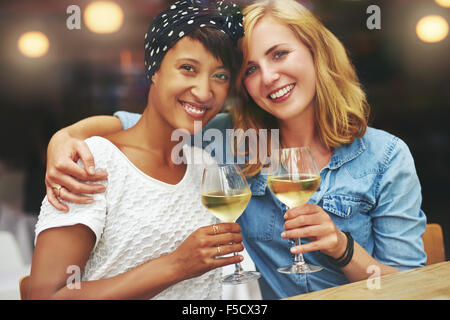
(294, 182)
(225, 193)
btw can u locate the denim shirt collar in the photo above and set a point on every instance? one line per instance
(345, 153)
(340, 156)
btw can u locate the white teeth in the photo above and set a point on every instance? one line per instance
(194, 109)
(281, 92)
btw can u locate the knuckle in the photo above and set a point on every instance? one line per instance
(78, 143)
(330, 229)
(333, 241)
(237, 237)
(89, 160)
(203, 230)
(202, 242)
(203, 254)
(231, 238)
(59, 164)
(75, 189)
(226, 227)
(51, 173)
(82, 175)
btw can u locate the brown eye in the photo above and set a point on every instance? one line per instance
(187, 67)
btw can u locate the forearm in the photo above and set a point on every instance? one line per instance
(142, 282)
(363, 265)
(93, 126)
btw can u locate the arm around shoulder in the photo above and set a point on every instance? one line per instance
(94, 126)
(65, 147)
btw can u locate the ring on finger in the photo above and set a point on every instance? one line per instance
(57, 190)
(218, 250)
(215, 228)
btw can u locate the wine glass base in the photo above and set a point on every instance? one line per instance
(299, 268)
(239, 278)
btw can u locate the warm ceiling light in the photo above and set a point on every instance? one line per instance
(444, 3)
(432, 28)
(33, 44)
(103, 17)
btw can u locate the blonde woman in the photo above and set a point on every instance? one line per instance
(366, 218)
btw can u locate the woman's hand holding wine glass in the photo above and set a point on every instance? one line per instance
(311, 221)
(293, 182)
(203, 250)
(225, 193)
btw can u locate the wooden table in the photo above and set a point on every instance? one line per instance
(428, 283)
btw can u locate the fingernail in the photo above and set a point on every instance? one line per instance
(89, 201)
(283, 234)
(91, 170)
(241, 258)
(295, 250)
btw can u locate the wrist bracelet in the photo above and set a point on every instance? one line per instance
(347, 256)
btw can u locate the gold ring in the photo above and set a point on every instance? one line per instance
(218, 250)
(215, 229)
(58, 190)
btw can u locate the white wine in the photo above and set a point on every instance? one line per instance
(294, 192)
(226, 207)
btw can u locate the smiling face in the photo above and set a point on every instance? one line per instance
(280, 74)
(190, 85)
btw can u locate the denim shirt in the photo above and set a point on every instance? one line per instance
(369, 188)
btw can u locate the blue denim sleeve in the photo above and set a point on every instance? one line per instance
(398, 221)
(127, 119)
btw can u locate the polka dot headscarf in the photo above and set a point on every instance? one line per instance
(183, 17)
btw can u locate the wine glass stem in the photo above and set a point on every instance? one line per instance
(298, 258)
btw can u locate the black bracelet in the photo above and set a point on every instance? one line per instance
(347, 256)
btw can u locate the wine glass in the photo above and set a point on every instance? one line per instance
(293, 183)
(225, 193)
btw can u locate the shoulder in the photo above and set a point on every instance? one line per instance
(106, 154)
(99, 146)
(384, 146)
(374, 153)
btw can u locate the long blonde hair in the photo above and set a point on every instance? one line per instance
(341, 108)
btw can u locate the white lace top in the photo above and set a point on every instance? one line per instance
(137, 219)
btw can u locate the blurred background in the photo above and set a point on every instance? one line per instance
(56, 70)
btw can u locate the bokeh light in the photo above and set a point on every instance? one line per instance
(103, 17)
(33, 44)
(443, 3)
(432, 28)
